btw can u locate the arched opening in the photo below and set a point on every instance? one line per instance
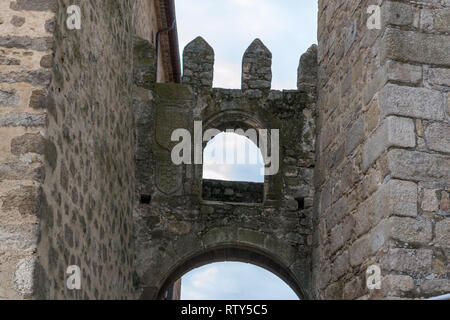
(234, 281)
(244, 256)
(233, 168)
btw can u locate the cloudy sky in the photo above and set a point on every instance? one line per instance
(222, 162)
(288, 28)
(234, 281)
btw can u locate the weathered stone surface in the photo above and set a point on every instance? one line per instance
(403, 72)
(355, 136)
(359, 251)
(418, 166)
(411, 261)
(411, 230)
(25, 42)
(144, 66)
(198, 63)
(24, 277)
(237, 192)
(257, 67)
(437, 137)
(21, 171)
(28, 143)
(17, 21)
(22, 120)
(435, 287)
(9, 61)
(24, 199)
(34, 5)
(393, 132)
(9, 98)
(440, 77)
(442, 20)
(395, 198)
(18, 237)
(397, 285)
(443, 233)
(430, 201)
(397, 13)
(416, 47)
(307, 69)
(35, 77)
(411, 102)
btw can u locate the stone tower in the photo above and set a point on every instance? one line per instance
(383, 167)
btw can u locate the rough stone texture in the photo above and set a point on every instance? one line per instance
(391, 174)
(394, 131)
(23, 41)
(437, 137)
(417, 47)
(307, 70)
(411, 102)
(198, 63)
(236, 192)
(257, 68)
(87, 204)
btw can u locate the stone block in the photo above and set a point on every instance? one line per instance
(437, 136)
(418, 166)
(394, 131)
(439, 76)
(443, 233)
(410, 230)
(359, 251)
(411, 102)
(417, 47)
(397, 13)
(395, 198)
(397, 285)
(414, 262)
(403, 72)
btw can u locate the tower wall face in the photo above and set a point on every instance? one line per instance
(383, 166)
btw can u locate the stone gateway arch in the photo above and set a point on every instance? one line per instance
(181, 228)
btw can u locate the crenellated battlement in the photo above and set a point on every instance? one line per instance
(199, 58)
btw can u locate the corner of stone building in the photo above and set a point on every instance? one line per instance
(382, 175)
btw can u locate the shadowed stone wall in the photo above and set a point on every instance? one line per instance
(178, 229)
(383, 163)
(232, 191)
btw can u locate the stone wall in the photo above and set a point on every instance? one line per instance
(149, 17)
(86, 211)
(26, 43)
(232, 191)
(177, 230)
(382, 170)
